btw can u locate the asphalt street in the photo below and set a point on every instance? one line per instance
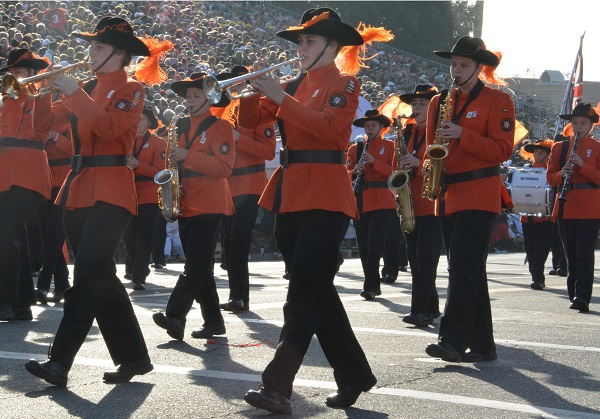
(548, 365)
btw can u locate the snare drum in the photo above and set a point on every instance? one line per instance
(529, 191)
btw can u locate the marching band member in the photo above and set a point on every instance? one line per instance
(99, 198)
(312, 196)
(537, 231)
(146, 160)
(206, 153)
(480, 135)
(375, 201)
(24, 184)
(246, 183)
(54, 265)
(579, 216)
(425, 243)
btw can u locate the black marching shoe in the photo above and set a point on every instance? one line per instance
(347, 396)
(21, 313)
(388, 279)
(579, 304)
(552, 272)
(127, 371)
(561, 272)
(41, 296)
(368, 295)
(5, 311)
(128, 275)
(138, 286)
(538, 286)
(444, 351)
(208, 332)
(174, 327)
(234, 305)
(270, 400)
(417, 319)
(57, 297)
(52, 372)
(479, 357)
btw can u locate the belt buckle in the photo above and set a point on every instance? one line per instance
(76, 162)
(284, 157)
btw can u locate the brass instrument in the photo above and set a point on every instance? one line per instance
(213, 88)
(437, 151)
(170, 190)
(12, 87)
(399, 183)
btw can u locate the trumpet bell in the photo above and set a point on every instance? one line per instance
(10, 86)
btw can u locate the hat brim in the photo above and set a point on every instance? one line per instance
(530, 148)
(569, 116)
(382, 119)
(120, 40)
(35, 63)
(341, 32)
(483, 56)
(180, 89)
(153, 121)
(408, 97)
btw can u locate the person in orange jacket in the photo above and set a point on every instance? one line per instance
(246, 183)
(537, 230)
(147, 158)
(54, 264)
(369, 163)
(24, 184)
(480, 137)
(424, 244)
(312, 195)
(206, 153)
(99, 199)
(578, 216)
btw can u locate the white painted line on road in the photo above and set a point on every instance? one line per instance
(547, 412)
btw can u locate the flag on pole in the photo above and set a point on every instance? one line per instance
(574, 92)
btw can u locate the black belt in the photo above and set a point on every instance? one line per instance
(248, 169)
(371, 185)
(584, 185)
(187, 173)
(79, 162)
(472, 175)
(21, 143)
(60, 162)
(287, 157)
(143, 178)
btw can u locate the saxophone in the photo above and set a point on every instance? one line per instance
(170, 190)
(399, 184)
(437, 151)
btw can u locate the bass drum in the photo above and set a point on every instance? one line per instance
(530, 191)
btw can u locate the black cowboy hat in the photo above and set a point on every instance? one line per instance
(372, 115)
(545, 145)
(422, 91)
(237, 70)
(117, 32)
(197, 80)
(582, 109)
(23, 57)
(149, 112)
(471, 48)
(330, 26)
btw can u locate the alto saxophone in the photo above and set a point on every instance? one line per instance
(399, 184)
(170, 190)
(437, 151)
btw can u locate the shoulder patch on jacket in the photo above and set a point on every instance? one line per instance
(507, 124)
(225, 148)
(122, 105)
(350, 86)
(268, 133)
(337, 100)
(137, 95)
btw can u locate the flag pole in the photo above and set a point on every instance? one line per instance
(572, 85)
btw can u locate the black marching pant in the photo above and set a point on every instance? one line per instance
(394, 251)
(559, 261)
(424, 246)
(17, 205)
(138, 242)
(158, 245)
(54, 263)
(198, 238)
(97, 293)
(237, 241)
(309, 242)
(371, 231)
(467, 320)
(537, 237)
(579, 238)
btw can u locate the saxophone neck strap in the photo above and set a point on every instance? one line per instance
(477, 89)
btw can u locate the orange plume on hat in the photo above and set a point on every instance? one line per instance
(352, 57)
(528, 155)
(487, 74)
(149, 70)
(228, 113)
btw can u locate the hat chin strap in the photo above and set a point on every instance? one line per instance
(198, 108)
(105, 61)
(470, 77)
(319, 57)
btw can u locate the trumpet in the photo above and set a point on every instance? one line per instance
(214, 88)
(12, 87)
